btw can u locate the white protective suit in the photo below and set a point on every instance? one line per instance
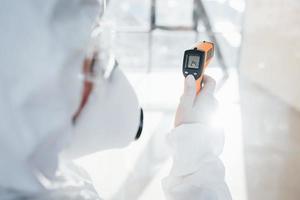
(43, 46)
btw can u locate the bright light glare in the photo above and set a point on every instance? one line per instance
(233, 153)
(238, 5)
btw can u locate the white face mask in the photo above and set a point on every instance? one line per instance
(112, 117)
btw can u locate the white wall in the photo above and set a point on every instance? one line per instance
(271, 48)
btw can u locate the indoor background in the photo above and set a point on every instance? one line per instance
(257, 68)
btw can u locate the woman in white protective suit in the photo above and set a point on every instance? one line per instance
(57, 95)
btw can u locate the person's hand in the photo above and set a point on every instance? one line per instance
(195, 108)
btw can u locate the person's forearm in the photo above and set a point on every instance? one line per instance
(197, 171)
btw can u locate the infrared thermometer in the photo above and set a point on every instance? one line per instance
(196, 60)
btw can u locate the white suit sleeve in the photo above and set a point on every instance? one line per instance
(197, 171)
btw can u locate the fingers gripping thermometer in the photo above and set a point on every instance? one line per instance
(196, 60)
